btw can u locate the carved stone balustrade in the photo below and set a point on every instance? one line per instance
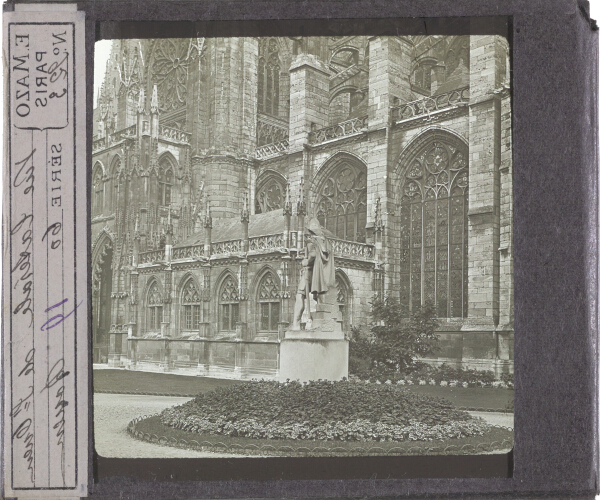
(99, 144)
(428, 105)
(226, 247)
(173, 134)
(152, 257)
(270, 130)
(191, 252)
(342, 129)
(353, 249)
(266, 242)
(271, 150)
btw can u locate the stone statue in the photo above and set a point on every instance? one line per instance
(318, 271)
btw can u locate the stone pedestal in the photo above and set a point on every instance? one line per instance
(320, 352)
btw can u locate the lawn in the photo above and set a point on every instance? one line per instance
(133, 382)
(151, 429)
(469, 397)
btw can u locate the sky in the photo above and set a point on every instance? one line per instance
(101, 55)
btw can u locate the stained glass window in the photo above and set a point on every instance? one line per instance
(229, 304)
(433, 231)
(155, 309)
(342, 202)
(191, 307)
(268, 298)
(270, 195)
(268, 76)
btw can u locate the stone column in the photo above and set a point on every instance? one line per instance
(487, 52)
(390, 60)
(241, 327)
(506, 315)
(390, 64)
(245, 218)
(154, 114)
(287, 215)
(309, 99)
(487, 67)
(207, 231)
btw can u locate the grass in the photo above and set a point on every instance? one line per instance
(469, 397)
(124, 381)
(494, 440)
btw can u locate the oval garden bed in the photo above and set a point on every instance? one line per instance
(321, 418)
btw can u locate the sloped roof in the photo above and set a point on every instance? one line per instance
(230, 228)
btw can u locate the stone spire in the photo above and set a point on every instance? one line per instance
(245, 216)
(244, 213)
(287, 207)
(154, 101)
(187, 168)
(141, 101)
(169, 225)
(207, 231)
(301, 208)
(207, 217)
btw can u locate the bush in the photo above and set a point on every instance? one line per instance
(394, 342)
(322, 410)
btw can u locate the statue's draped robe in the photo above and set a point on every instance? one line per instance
(323, 274)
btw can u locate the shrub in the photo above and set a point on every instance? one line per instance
(322, 410)
(508, 379)
(394, 342)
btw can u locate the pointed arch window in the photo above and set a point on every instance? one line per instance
(165, 184)
(270, 195)
(98, 190)
(433, 231)
(191, 307)
(155, 308)
(268, 76)
(342, 202)
(229, 305)
(269, 304)
(114, 183)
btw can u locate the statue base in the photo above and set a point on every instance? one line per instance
(320, 352)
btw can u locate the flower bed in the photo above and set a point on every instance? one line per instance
(444, 376)
(344, 411)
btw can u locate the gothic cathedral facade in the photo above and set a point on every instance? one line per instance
(209, 155)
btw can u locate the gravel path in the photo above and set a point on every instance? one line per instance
(112, 413)
(495, 418)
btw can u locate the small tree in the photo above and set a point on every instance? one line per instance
(394, 341)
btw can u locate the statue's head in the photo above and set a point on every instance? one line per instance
(315, 228)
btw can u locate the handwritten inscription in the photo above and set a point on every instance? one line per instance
(44, 313)
(22, 413)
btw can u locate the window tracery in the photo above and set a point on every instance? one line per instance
(433, 231)
(155, 307)
(270, 195)
(229, 305)
(191, 306)
(268, 76)
(98, 189)
(169, 70)
(269, 304)
(342, 202)
(165, 182)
